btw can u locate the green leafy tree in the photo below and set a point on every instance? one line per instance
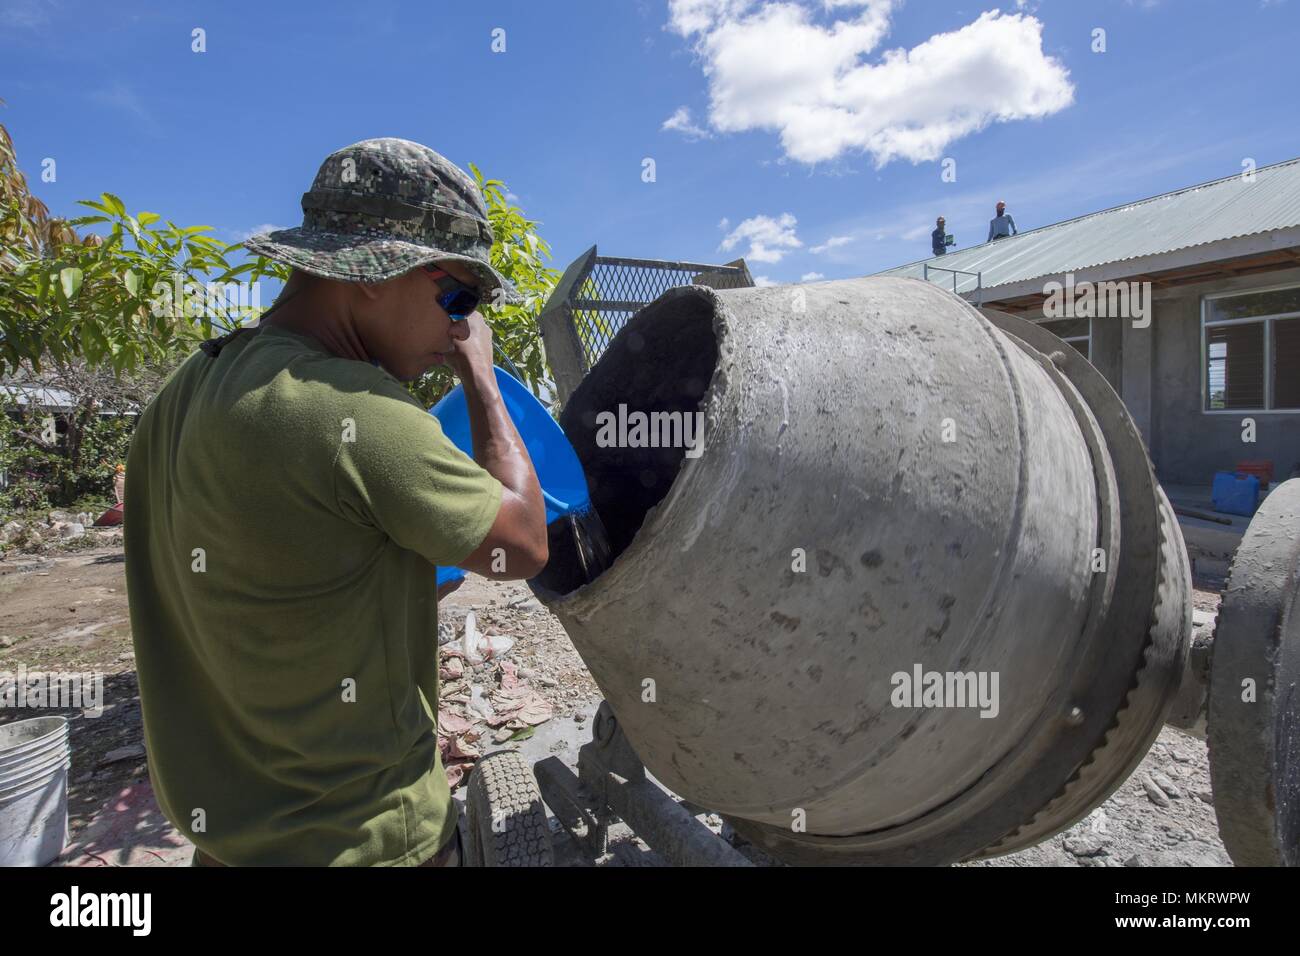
(65, 471)
(147, 289)
(150, 289)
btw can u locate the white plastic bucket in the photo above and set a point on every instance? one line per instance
(34, 760)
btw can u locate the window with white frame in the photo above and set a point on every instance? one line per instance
(1076, 332)
(1250, 346)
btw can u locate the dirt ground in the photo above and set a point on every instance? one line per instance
(68, 612)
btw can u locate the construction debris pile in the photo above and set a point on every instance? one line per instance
(504, 669)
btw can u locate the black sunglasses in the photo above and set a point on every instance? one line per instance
(457, 299)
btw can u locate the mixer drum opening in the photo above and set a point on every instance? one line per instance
(630, 421)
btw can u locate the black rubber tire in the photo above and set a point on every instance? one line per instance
(502, 789)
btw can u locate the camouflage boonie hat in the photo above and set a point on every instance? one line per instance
(381, 207)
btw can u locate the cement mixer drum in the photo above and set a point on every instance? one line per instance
(914, 597)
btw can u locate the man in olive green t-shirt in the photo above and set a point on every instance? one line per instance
(287, 503)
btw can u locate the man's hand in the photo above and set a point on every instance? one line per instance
(471, 347)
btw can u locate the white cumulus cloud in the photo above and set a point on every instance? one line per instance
(807, 72)
(769, 239)
(811, 277)
(681, 122)
(831, 243)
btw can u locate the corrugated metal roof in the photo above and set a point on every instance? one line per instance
(39, 395)
(1223, 209)
(51, 399)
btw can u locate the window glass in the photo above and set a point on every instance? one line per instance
(1277, 302)
(1286, 363)
(1235, 366)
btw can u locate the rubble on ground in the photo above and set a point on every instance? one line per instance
(56, 530)
(506, 666)
(1128, 829)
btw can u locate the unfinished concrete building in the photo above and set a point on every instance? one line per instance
(1189, 304)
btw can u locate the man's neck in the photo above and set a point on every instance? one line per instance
(317, 310)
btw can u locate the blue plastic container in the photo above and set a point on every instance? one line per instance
(564, 485)
(1235, 494)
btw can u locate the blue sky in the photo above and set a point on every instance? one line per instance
(807, 136)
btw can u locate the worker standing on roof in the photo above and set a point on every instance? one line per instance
(1001, 225)
(289, 501)
(939, 239)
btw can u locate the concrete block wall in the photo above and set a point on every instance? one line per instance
(1157, 371)
(1187, 444)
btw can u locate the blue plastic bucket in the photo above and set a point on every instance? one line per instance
(564, 485)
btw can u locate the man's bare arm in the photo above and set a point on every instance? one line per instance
(516, 546)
